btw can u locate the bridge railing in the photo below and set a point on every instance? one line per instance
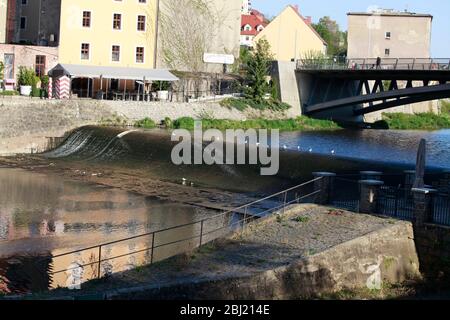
(431, 64)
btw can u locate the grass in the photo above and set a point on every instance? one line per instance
(301, 219)
(9, 93)
(242, 104)
(297, 124)
(146, 123)
(445, 107)
(421, 121)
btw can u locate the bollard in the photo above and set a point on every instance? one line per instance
(368, 195)
(423, 205)
(325, 185)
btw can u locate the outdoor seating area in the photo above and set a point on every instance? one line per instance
(110, 83)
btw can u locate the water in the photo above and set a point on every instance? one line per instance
(43, 216)
(388, 147)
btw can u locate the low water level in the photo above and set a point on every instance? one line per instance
(43, 216)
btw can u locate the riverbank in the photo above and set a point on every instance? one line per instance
(301, 123)
(420, 121)
(308, 251)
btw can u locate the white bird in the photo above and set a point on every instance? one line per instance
(184, 181)
(310, 150)
(333, 152)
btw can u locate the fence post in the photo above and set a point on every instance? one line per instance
(369, 191)
(245, 218)
(99, 261)
(153, 247)
(423, 209)
(201, 232)
(324, 185)
(284, 202)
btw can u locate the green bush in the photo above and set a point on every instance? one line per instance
(146, 123)
(27, 77)
(184, 123)
(36, 92)
(420, 121)
(168, 123)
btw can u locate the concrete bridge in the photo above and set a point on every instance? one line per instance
(346, 90)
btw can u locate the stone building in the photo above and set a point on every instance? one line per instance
(390, 34)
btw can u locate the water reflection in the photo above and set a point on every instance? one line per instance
(42, 217)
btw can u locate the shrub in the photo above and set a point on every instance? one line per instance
(36, 92)
(184, 123)
(146, 123)
(27, 77)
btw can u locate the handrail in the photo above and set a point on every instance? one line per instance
(431, 64)
(201, 235)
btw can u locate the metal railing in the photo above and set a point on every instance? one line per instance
(426, 64)
(203, 231)
(394, 199)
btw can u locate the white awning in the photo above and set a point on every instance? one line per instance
(81, 71)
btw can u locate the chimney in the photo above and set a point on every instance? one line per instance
(296, 8)
(308, 19)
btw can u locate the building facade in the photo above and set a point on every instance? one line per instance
(389, 34)
(107, 33)
(291, 35)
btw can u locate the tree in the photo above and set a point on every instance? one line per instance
(257, 70)
(337, 40)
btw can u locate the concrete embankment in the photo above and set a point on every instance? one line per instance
(26, 123)
(306, 252)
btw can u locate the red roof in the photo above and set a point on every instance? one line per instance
(254, 19)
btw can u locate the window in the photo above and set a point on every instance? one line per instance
(248, 27)
(142, 1)
(24, 2)
(39, 65)
(116, 53)
(23, 23)
(85, 51)
(388, 35)
(86, 19)
(140, 55)
(117, 21)
(387, 52)
(141, 23)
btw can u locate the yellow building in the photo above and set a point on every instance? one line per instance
(115, 33)
(291, 36)
(108, 47)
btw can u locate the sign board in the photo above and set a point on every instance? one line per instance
(218, 58)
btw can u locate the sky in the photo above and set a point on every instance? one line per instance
(337, 10)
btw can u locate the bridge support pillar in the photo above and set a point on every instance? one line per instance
(324, 186)
(369, 192)
(423, 205)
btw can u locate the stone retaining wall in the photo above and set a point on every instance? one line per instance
(25, 122)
